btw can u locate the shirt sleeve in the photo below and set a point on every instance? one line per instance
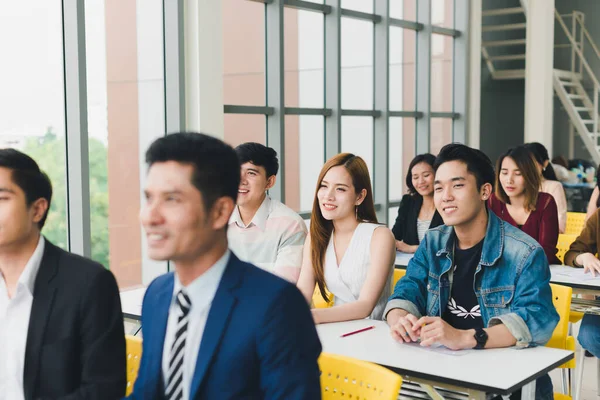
(586, 242)
(399, 226)
(289, 252)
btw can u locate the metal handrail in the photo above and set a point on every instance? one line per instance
(584, 63)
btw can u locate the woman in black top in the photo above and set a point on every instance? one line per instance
(417, 212)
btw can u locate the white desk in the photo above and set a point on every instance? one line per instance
(131, 303)
(476, 372)
(581, 284)
(402, 259)
(563, 275)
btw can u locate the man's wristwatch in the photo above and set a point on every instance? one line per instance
(481, 337)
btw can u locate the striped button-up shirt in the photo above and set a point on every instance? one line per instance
(273, 240)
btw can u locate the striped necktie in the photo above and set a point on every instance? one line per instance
(174, 389)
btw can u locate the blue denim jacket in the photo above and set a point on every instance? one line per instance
(511, 281)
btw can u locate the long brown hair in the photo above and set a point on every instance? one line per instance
(526, 163)
(322, 229)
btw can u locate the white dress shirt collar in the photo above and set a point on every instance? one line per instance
(27, 279)
(259, 219)
(202, 289)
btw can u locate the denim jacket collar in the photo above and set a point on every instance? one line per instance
(492, 245)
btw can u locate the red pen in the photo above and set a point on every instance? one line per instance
(358, 331)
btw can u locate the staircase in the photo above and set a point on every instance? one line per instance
(577, 89)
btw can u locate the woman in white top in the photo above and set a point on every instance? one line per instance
(550, 183)
(346, 251)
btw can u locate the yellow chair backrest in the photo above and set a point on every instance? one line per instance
(134, 355)
(348, 378)
(319, 301)
(398, 273)
(575, 223)
(564, 242)
(561, 298)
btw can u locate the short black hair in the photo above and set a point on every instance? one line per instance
(27, 175)
(216, 167)
(477, 162)
(258, 155)
(426, 158)
(540, 153)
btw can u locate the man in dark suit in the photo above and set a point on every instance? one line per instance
(61, 326)
(216, 328)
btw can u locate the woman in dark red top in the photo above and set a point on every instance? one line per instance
(518, 201)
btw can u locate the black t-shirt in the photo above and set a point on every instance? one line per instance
(462, 311)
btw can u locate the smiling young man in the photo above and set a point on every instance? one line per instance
(61, 326)
(475, 282)
(263, 231)
(215, 317)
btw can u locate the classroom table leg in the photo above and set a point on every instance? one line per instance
(476, 394)
(528, 391)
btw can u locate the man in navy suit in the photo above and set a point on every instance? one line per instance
(216, 327)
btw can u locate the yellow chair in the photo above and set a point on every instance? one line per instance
(561, 298)
(575, 317)
(319, 301)
(575, 223)
(348, 378)
(134, 355)
(564, 242)
(398, 273)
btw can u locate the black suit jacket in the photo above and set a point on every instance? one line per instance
(75, 343)
(405, 227)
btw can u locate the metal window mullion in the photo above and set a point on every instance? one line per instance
(307, 111)
(443, 114)
(405, 114)
(307, 6)
(275, 90)
(173, 25)
(460, 101)
(445, 31)
(381, 104)
(423, 76)
(333, 71)
(402, 23)
(77, 157)
(255, 110)
(361, 15)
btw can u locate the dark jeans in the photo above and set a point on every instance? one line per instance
(589, 334)
(543, 390)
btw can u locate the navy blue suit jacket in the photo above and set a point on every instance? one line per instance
(259, 342)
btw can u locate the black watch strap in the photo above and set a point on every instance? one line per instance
(481, 337)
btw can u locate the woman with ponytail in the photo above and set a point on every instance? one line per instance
(550, 183)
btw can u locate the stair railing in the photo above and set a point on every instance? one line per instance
(578, 52)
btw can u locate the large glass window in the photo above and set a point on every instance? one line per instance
(357, 138)
(304, 157)
(241, 128)
(243, 52)
(303, 58)
(403, 9)
(442, 13)
(125, 83)
(357, 64)
(402, 151)
(32, 96)
(441, 72)
(402, 71)
(441, 133)
(365, 6)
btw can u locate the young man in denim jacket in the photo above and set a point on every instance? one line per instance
(475, 282)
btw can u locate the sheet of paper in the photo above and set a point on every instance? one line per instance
(440, 349)
(576, 273)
